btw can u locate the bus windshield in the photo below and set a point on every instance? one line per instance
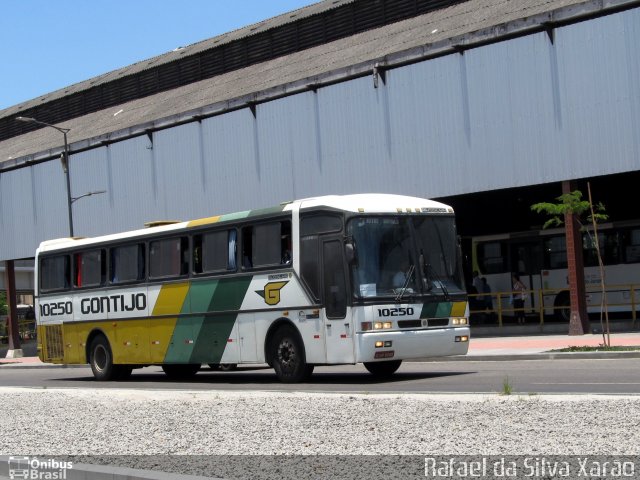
(405, 256)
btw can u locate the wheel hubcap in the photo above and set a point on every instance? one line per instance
(100, 358)
(287, 355)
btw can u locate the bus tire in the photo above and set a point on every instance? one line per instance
(287, 356)
(181, 371)
(562, 307)
(383, 369)
(101, 360)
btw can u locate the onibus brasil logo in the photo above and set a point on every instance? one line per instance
(36, 468)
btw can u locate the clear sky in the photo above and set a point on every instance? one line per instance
(46, 45)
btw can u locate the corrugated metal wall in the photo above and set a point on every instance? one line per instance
(520, 112)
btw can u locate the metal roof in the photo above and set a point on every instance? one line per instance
(296, 31)
(179, 52)
(444, 31)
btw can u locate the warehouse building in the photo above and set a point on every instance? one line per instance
(484, 104)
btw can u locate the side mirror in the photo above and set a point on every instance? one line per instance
(350, 253)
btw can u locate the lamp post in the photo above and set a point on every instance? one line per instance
(88, 194)
(65, 162)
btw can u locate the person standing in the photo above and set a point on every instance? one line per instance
(519, 290)
(477, 282)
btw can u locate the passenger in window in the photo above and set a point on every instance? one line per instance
(286, 249)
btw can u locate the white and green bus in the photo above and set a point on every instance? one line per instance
(370, 278)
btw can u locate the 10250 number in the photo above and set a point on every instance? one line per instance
(395, 312)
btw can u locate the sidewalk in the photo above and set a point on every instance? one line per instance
(541, 346)
(482, 348)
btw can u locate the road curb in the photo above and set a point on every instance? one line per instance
(21, 366)
(533, 356)
(461, 358)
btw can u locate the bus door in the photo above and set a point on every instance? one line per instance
(526, 260)
(337, 315)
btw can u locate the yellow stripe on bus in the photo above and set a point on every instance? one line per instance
(458, 309)
(203, 221)
(171, 299)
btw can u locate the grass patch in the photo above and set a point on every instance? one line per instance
(599, 348)
(507, 388)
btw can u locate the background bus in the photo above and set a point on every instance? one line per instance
(540, 258)
(371, 279)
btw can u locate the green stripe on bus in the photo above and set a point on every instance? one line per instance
(234, 216)
(203, 338)
(211, 342)
(229, 294)
(436, 310)
(212, 339)
(183, 340)
(215, 331)
(187, 329)
(266, 211)
(200, 295)
(444, 309)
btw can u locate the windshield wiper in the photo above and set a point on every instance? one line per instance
(432, 277)
(406, 282)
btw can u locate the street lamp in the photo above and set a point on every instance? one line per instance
(64, 158)
(88, 194)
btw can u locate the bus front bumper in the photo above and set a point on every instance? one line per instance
(411, 344)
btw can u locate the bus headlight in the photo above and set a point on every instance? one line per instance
(382, 325)
(462, 338)
(459, 321)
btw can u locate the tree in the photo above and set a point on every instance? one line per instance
(572, 203)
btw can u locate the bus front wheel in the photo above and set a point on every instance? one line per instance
(287, 356)
(101, 361)
(383, 369)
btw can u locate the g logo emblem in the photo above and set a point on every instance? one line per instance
(271, 292)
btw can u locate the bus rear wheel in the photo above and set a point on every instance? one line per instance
(101, 361)
(287, 356)
(181, 371)
(383, 369)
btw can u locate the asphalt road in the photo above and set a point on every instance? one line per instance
(600, 376)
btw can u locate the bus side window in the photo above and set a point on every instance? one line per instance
(555, 252)
(55, 272)
(168, 257)
(214, 251)
(632, 246)
(90, 269)
(266, 244)
(127, 263)
(247, 247)
(491, 257)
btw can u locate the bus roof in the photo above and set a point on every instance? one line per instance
(356, 203)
